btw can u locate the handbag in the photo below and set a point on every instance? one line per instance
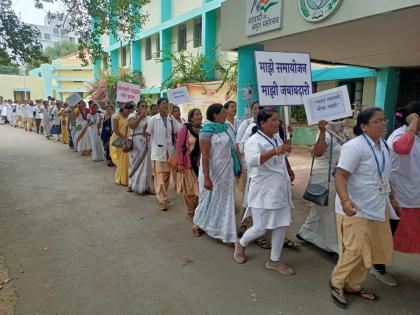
(128, 143)
(316, 193)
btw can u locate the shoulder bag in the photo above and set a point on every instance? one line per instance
(316, 193)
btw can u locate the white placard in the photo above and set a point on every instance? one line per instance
(283, 78)
(179, 96)
(263, 17)
(73, 99)
(128, 92)
(328, 105)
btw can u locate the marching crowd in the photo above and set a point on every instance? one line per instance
(370, 188)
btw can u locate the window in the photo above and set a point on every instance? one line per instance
(56, 31)
(157, 46)
(197, 31)
(63, 32)
(71, 39)
(123, 56)
(148, 48)
(21, 95)
(182, 37)
(47, 36)
(355, 88)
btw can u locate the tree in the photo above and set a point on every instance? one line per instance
(19, 44)
(91, 19)
(61, 49)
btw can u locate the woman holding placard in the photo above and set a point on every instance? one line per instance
(320, 227)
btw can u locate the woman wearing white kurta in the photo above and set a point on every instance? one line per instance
(270, 194)
(215, 213)
(363, 206)
(94, 120)
(140, 172)
(320, 227)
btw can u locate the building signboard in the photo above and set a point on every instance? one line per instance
(317, 10)
(263, 16)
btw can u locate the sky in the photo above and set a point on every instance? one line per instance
(29, 14)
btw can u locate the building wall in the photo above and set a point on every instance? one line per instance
(369, 92)
(151, 69)
(153, 8)
(181, 7)
(234, 15)
(9, 83)
(326, 85)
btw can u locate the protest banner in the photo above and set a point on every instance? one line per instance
(327, 105)
(179, 96)
(73, 99)
(283, 78)
(204, 94)
(128, 92)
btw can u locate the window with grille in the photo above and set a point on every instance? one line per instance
(197, 31)
(148, 55)
(182, 37)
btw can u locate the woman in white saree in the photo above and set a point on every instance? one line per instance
(140, 173)
(215, 213)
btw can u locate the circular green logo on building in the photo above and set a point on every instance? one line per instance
(317, 10)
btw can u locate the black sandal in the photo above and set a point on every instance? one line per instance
(261, 242)
(365, 295)
(291, 244)
(338, 297)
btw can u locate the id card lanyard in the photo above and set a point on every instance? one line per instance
(383, 188)
(271, 142)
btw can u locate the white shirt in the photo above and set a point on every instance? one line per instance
(38, 112)
(270, 186)
(18, 110)
(363, 185)
(161, 137)
(405, 175)
(54, 113)
(28, 111)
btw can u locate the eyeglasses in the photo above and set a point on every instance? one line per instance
(380, 121)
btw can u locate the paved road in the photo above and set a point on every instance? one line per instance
(75, 243)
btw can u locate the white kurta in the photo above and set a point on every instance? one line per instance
(270, 192)
(215, 212)
(405, 176)
(95, 139)
(140, 164)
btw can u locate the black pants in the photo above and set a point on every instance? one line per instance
(106, 148)
(70, 139)
(38, 125)
(394, 224)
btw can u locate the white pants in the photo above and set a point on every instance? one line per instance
(278, 236)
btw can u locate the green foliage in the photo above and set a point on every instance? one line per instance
(299, 114)
(104, 90)
(90, 19)
(61, 49)
(230, 74)
(187, 67)
(9, 70)
(19, 43)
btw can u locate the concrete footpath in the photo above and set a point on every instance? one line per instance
(73, 242)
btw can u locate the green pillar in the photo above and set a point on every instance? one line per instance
(165, 39)
(208, 35)
(387, 83)
(247, 76)
(97, 66)
(113, 55)
(135, 48)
